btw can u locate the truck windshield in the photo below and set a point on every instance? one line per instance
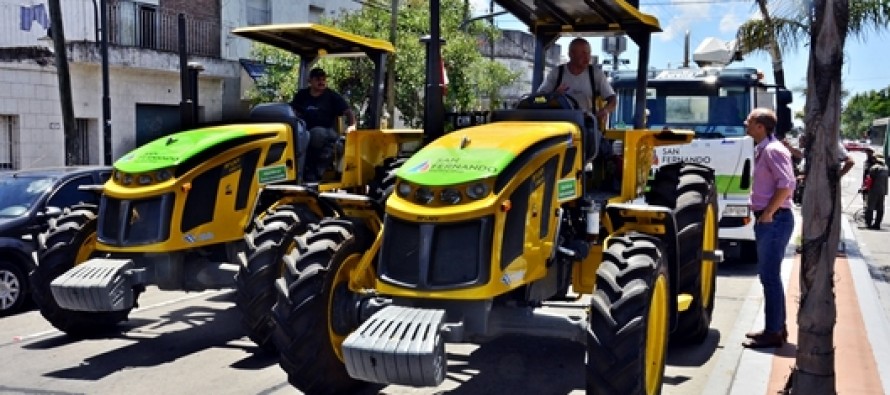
(712, 112)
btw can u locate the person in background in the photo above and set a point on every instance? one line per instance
(876, 190)
(320, 107)
(771, 191)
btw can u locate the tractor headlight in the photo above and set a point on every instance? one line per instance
(423, 195)
(163, 175)
(144, 179)
(404, 189)
(118, 176)
(477, 191)
(450, 196)
(128, 178)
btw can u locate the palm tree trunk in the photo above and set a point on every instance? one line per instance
(814, 371)
(774, 51)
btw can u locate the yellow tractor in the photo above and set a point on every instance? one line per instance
(489, 223)
(176, 210)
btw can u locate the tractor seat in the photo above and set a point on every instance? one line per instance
(284, 113)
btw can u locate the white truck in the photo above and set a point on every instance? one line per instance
(713, 101)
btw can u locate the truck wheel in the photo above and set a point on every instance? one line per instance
(316, 311)
(627, 336)
(688, 189)
(384, 180)
(70, 241)
(13, 288)
(266, 245)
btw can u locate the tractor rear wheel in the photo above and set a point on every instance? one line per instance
(688, 190)
(70, 241)
(627, 336)
(316, 311)
(271, 239)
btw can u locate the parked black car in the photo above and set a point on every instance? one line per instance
(28, 199)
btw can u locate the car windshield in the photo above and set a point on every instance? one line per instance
(17, 194)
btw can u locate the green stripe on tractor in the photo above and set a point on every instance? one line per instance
(172, 150)
(452, 166)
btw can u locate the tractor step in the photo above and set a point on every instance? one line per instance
(98, 284)
(398, 345)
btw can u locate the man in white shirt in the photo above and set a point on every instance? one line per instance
(573, 79)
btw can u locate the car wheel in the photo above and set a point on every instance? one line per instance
(13, 288)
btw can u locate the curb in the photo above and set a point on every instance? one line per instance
(742, 373)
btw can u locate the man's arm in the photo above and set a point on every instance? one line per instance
(547, 85)
(848, 164)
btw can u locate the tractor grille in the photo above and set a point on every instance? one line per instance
(436, 256)
(134, 222)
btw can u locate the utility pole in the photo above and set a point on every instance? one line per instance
(57, 30)
(106, 96)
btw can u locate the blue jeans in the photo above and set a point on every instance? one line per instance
(772, 238)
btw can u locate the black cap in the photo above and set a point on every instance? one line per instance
(317, 72)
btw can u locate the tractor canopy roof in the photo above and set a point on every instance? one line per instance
(581, 16)
(311, 40)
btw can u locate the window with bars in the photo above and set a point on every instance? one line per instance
(9, 142)
(147, 26)
(315, 14)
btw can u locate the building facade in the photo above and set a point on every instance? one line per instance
(144, 71)
(515, 50)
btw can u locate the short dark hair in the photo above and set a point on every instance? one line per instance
(765, 117)
(317, 72)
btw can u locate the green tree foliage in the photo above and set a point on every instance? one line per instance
(862, 109)
(470, 75)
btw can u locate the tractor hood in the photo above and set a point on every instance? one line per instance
(479, 152)
(174, 149)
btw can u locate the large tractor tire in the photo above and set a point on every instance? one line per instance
(688, 189)
(384, 180)
(316, 311)
(267, 243)
(629, 319)
(70, 241)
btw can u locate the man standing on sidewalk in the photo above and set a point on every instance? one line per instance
(771, 193)
(877, 189)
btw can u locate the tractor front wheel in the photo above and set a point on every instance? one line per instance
(316, 311)
(628, 332)
(262, 264)
(70, 241)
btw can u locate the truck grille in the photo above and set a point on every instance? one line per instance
(134, 222)
(436, 255)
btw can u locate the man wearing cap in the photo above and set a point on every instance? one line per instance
(877, 190)
(319, 107)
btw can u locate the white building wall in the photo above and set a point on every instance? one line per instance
(31, 93)
(78, 21)
(234, 15)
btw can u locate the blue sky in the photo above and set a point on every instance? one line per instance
(865, 65)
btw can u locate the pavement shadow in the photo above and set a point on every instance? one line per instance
(521, 365)
(205, 328)
(687, 355)
(735, 268)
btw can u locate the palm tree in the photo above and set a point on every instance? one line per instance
(826, 23)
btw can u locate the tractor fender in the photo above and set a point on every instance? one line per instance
(272, 194)
(657, 222)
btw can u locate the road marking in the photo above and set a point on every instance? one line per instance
(36, 335)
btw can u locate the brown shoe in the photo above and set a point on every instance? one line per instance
(752, 335)
(766, 340)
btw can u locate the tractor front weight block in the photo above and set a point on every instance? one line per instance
(98, 285)
(398, 345)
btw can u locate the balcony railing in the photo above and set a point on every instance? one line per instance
(136, 25)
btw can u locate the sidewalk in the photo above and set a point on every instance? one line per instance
(861, 333)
